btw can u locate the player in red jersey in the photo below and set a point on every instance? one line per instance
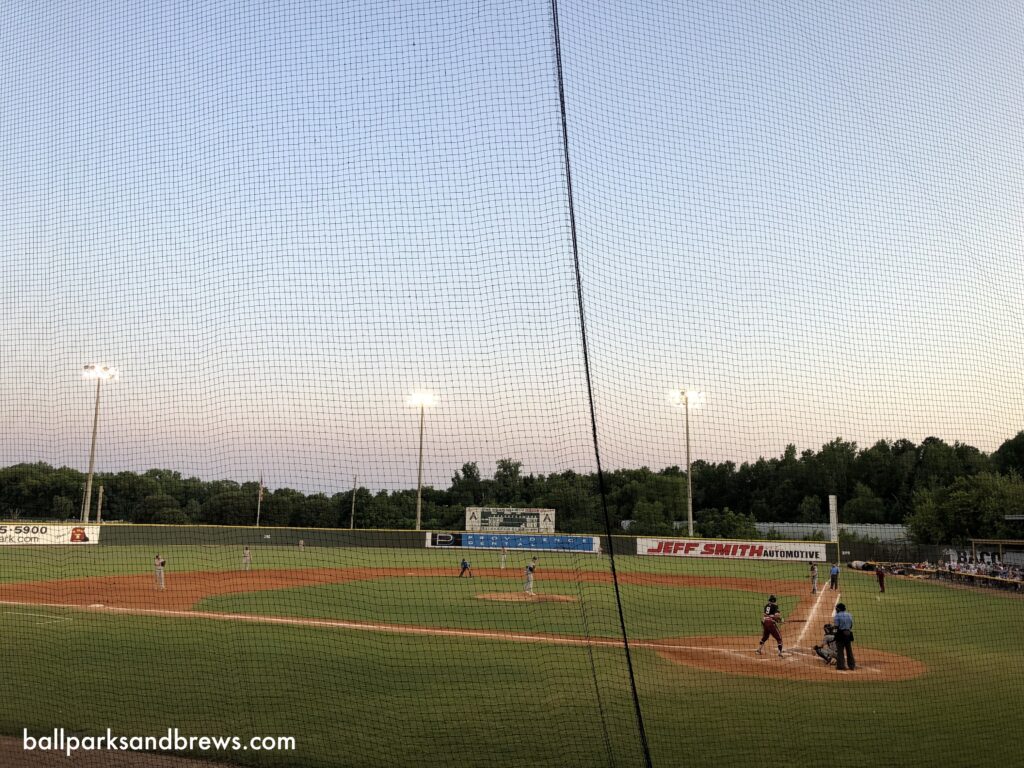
(770, 621)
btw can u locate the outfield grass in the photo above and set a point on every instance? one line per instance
(658, 612)
(38, 563)
(367, 699)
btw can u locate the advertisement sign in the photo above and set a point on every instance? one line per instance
(556, 543)
(46, 533)
(510, 519)
(736, 550)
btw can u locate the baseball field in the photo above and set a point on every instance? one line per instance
(372, 656)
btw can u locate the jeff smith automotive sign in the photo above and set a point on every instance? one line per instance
(739, 550)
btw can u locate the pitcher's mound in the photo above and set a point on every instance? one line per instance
(522, 597)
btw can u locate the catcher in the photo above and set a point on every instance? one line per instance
(827, 649)
(770, 621)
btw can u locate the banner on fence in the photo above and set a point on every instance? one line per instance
(739, 550)
(45, 534)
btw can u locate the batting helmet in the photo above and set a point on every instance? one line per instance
(771, 598)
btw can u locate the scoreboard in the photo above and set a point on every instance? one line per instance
(510, 520)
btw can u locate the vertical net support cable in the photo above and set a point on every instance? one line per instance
(637, 709)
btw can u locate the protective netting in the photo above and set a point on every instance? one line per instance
(365, 265)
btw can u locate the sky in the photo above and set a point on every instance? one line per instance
(279, 219)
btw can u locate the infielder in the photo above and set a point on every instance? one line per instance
(530, 568)
(504, 555)
(158, 571)
(246, 559)
(466, 568)
(770, 620)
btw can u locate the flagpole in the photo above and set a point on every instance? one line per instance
(259, 502)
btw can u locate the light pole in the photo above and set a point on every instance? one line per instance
(687, 399)
(421, 400)
(100, 373)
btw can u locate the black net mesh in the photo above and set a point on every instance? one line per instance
(678, 273)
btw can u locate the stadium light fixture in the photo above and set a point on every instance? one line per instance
(688, 400)
(421, 400)
(100, 373)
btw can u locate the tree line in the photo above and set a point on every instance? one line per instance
(944, 494)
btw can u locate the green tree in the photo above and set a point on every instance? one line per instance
(937, 464)
(576, 504)
(63, 508)
(650, 519)
(24, 490)
(467, 487)
(169, 482)
(231, 507)
(363, 501)
(864, 507)
(715, 485)
(124, 494)
(192, 511)
(971, 507)
(810, 510)
(280, 507)
(315, 512)
(508, 481)
(725, 524)
(833, 469)
(159, 508)
(1009, 457)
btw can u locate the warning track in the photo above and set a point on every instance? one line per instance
(135, 595)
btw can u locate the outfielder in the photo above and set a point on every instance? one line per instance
(770, 620)
(814, 578)
(530, 568)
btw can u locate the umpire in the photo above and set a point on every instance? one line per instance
(843, 622)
